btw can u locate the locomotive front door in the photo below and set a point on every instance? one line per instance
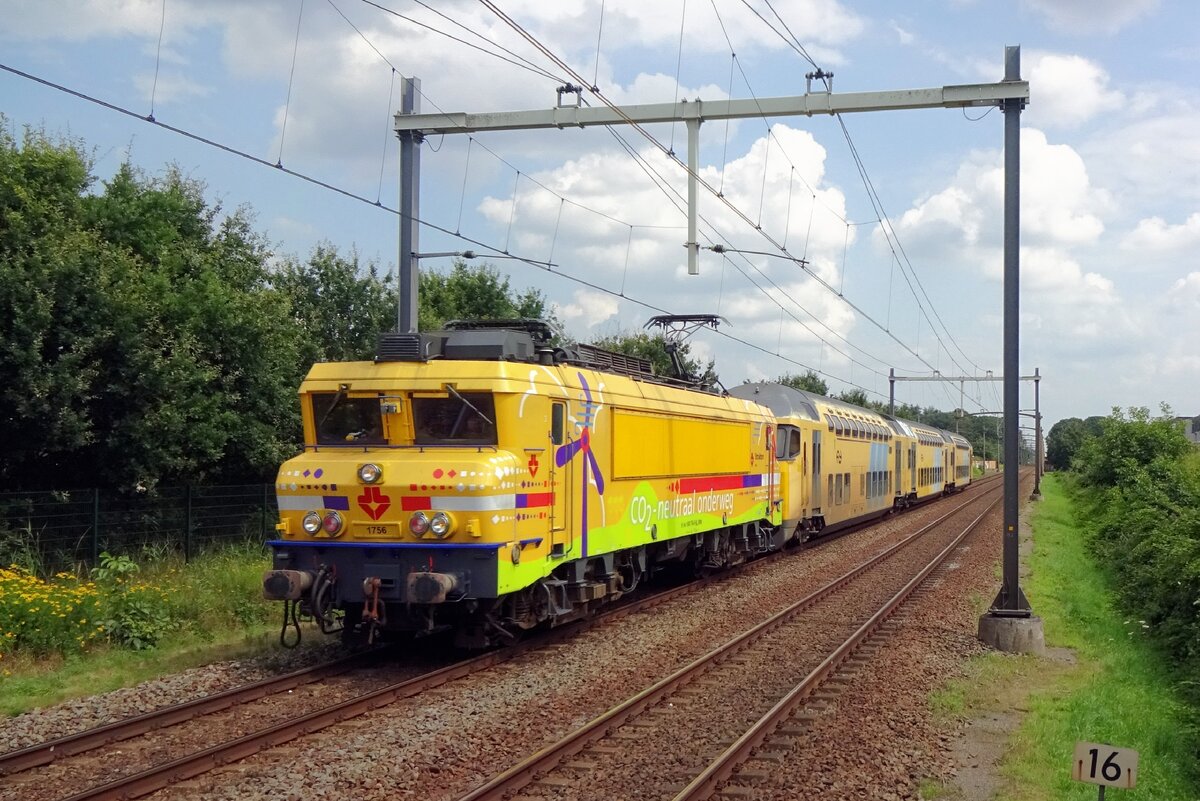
(560, 483)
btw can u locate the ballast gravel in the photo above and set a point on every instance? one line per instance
(441, 744)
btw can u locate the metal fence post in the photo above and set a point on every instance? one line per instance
(95, 526)
(187, 526)
(266, 498)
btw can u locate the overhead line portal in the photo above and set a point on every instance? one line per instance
(1011, 614)
(806, 105)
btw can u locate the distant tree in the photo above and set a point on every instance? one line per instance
(856, 397)
(808, 382)
(1094, 425)
(340, 305)
(1063, 442)
(654, 348)
(908, 411)
(479, 293)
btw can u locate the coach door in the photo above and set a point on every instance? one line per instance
(560, 482)
(898, 480)
(816, 473)
(912, 466)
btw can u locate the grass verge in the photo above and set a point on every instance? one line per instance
(206, 611)
(1110, 687)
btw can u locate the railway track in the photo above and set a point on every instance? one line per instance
(657, 740)
(135, 784)
(140, 783)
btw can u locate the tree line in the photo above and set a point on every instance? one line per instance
(151, 337)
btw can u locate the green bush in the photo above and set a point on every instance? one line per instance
(1140, 481)
(136, 613)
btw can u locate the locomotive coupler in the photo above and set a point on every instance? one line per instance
(374, 614)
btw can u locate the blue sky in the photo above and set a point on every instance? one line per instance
(1110, 175)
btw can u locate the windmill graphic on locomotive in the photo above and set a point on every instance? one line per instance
(484, 481)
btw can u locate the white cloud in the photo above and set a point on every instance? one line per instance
(36, 19)
(590, 308)
(1185, 294)
(905, 37)
(1091, 16)
(1151, 158)
(1070, 307)
(775, 303)
(169, 87)
(1068, 90)
(1059, 206)
(1154, 236)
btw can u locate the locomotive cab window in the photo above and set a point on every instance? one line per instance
(558, 423)
(342, 420)
(462, 418)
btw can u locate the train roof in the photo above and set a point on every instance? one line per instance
(785, 401)
(519, 340)
(782, 400)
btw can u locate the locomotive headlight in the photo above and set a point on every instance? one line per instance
(332, 523)
(370, 473)
(418, 524)
(312, 523)
(441, 525)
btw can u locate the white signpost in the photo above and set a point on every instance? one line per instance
(1102, 764)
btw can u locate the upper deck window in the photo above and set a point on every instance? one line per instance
(342, 420)
(466, 418)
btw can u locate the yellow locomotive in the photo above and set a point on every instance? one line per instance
(481, 480)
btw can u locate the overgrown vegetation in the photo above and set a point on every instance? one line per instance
(122, 605)
(1138, 484)
(149, 338)
(1113, 685)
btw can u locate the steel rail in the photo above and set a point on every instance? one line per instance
(158, 777)
(503, 785)
(727, 762)
(46, 752)
(192, 765)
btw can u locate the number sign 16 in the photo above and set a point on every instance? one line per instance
(1097, 763)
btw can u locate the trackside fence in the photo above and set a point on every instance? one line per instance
(62, 530)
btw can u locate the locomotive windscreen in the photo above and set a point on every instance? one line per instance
(466, 418)
(342, 420)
